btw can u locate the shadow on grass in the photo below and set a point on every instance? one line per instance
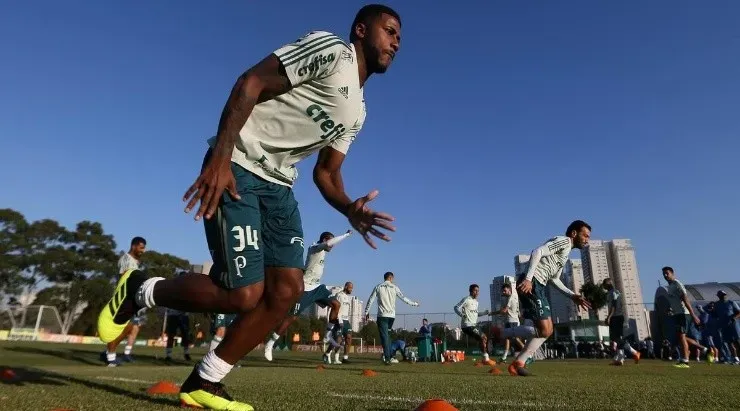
(30, 376)
(88, 357)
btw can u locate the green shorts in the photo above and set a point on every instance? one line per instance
(221, 320)
(681, 322)
(263, 229)
(346, 328)
(319, 295)
(536, 306)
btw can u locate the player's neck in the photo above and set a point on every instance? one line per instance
(362, 70)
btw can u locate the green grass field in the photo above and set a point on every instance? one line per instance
(65, 376)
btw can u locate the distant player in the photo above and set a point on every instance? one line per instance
(302, 99)
(728, 317)
(128, 261)
(177, 321)
(545, 266)
(218, 328)
(510, 308)
(467, 309)
(683, 313)
(344, 298)
(314, 292)
(386, 293)
(615, 321)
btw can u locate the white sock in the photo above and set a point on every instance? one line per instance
(212, 368)
(523, 331)
(127, 350)
(145, 293)
(530, 348)
(346, 357)
(627, 347)
(274, 338)
(110, 356)
(485, 357)
(215, 342)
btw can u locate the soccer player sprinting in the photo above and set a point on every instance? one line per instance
(128, 261)
(386, 293)
(467, 309)
(615, 321)
(314, 292)
(344, 298)
(682, 315)
(511, 310)
(545, 266)
(304, 98)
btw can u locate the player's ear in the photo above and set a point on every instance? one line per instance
(360, 30)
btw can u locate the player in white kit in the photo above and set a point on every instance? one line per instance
(510, 308)
(304, 98)
(314, 292)
(467, 309)
(545, 266)
(344, 298)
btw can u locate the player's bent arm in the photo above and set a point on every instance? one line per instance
(371, 300)
(266, 80)
(327, 175)
(458, 307)
(334, 241)
(404, 298)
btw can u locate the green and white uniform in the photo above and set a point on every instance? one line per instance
(313, 290)
(325, 108)
(681, 316)
(467, 309)
(345, 301)
(545, 266)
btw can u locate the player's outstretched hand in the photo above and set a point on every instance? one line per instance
(367, 221)
(525, 286)
(579, 300)
(210, 185)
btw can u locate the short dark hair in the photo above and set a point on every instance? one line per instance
(472, 286)
(667, 268)
(424, 319)
(368, 14)
(387, 275)
(576, 226)
(506, 285)
(324, 235)
(137, 241)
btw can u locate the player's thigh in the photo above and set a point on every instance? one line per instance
(346, 329)
(172, 325)
(234, 235)
(318, 295)
(473, 332)
(282, 228)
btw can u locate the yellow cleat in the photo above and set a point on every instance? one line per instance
(116, 315)
(197, 392)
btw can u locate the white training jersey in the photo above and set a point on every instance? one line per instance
(386, 293)
(315, 262)
(676, 291)
(547, 261)
(467, 308)
(345, 302)
(325, 107)
(127, 262)
(614, 299)
(512, 307)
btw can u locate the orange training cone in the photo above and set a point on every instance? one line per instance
(435, 405)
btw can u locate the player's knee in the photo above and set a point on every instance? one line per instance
(285, 292)
(245, 298)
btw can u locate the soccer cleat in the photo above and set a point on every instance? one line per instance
(394, 361)
(197, 392)
(337, 359)
(117, 314)
(128, 358)
(681, 365)
(636, 356)
(516, 368)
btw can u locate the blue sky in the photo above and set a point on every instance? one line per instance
(497, 125)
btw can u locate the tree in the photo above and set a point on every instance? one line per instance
(595, 295)
(13, 226)
(369, 332)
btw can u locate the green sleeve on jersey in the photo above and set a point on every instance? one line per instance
(315, 55)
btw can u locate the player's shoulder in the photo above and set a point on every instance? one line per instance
(325, 44)
(558, 242)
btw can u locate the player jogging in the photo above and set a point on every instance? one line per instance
(128, 261)
(467, 309)
(510, 308)
(304, 98)
(545, 266)
(682, 315)
(386, 293)
(344, 298)
(314, 292)
(615, 321)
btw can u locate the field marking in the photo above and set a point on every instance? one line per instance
(125, 380)
(416, 400)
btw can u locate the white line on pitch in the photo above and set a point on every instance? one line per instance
(420, 400)
(125, 380)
